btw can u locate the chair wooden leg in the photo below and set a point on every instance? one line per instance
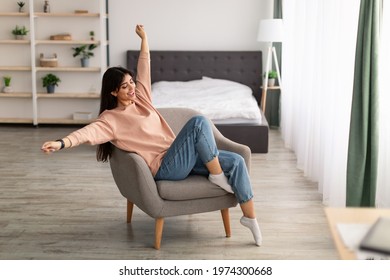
(226, 221)
(158, 233)
(130, 206)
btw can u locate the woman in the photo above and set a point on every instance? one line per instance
(128, 120)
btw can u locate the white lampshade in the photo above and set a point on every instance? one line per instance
(270, 30)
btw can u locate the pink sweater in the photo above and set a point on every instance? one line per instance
(137, 128)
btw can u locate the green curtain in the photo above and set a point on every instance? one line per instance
(363, 135)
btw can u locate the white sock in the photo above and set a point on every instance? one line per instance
(254, 227)
(221, 181)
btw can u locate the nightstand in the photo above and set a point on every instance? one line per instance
(271, 103)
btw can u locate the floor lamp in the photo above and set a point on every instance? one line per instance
(270, 30)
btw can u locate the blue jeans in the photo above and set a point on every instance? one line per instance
(193, 147)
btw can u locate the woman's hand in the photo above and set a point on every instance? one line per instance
(139, 29)
(51, 146)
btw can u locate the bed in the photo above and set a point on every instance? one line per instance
(243, 67)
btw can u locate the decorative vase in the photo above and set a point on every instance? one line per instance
(46, 7)
(51, 88)
(84, 62)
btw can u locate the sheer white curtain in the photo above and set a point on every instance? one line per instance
(318, 65)
(383, 188)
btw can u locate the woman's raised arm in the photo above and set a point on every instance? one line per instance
(139, 29)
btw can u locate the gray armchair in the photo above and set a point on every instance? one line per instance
(195, 194)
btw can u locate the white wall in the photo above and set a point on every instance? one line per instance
(186, 25)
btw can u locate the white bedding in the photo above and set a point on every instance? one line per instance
(222, 101)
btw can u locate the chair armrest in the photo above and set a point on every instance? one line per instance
(135, 181)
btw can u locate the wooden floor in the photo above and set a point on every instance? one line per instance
(67, 206)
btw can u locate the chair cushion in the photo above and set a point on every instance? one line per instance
(193, 187)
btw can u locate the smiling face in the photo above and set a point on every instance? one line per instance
(126, 92)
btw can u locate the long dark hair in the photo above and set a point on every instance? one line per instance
(111, 82)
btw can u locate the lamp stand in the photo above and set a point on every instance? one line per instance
(272, 50)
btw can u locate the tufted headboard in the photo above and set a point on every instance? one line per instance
(240, 66)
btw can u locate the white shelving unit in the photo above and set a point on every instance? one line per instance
(79, 87)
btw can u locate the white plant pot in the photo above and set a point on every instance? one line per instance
(19, 37)
(271, 82)
(7, 89)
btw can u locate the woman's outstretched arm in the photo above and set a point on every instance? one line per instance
(53, 146)
(144, 84)
(139, 29)
(97, 132)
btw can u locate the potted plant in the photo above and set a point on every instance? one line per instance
(92, 35)
(50, 81)
(85, 51)
(7, 84)
(19, 32)
(272, 75)
(21, 6)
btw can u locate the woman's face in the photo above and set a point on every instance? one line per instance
(126, 93)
